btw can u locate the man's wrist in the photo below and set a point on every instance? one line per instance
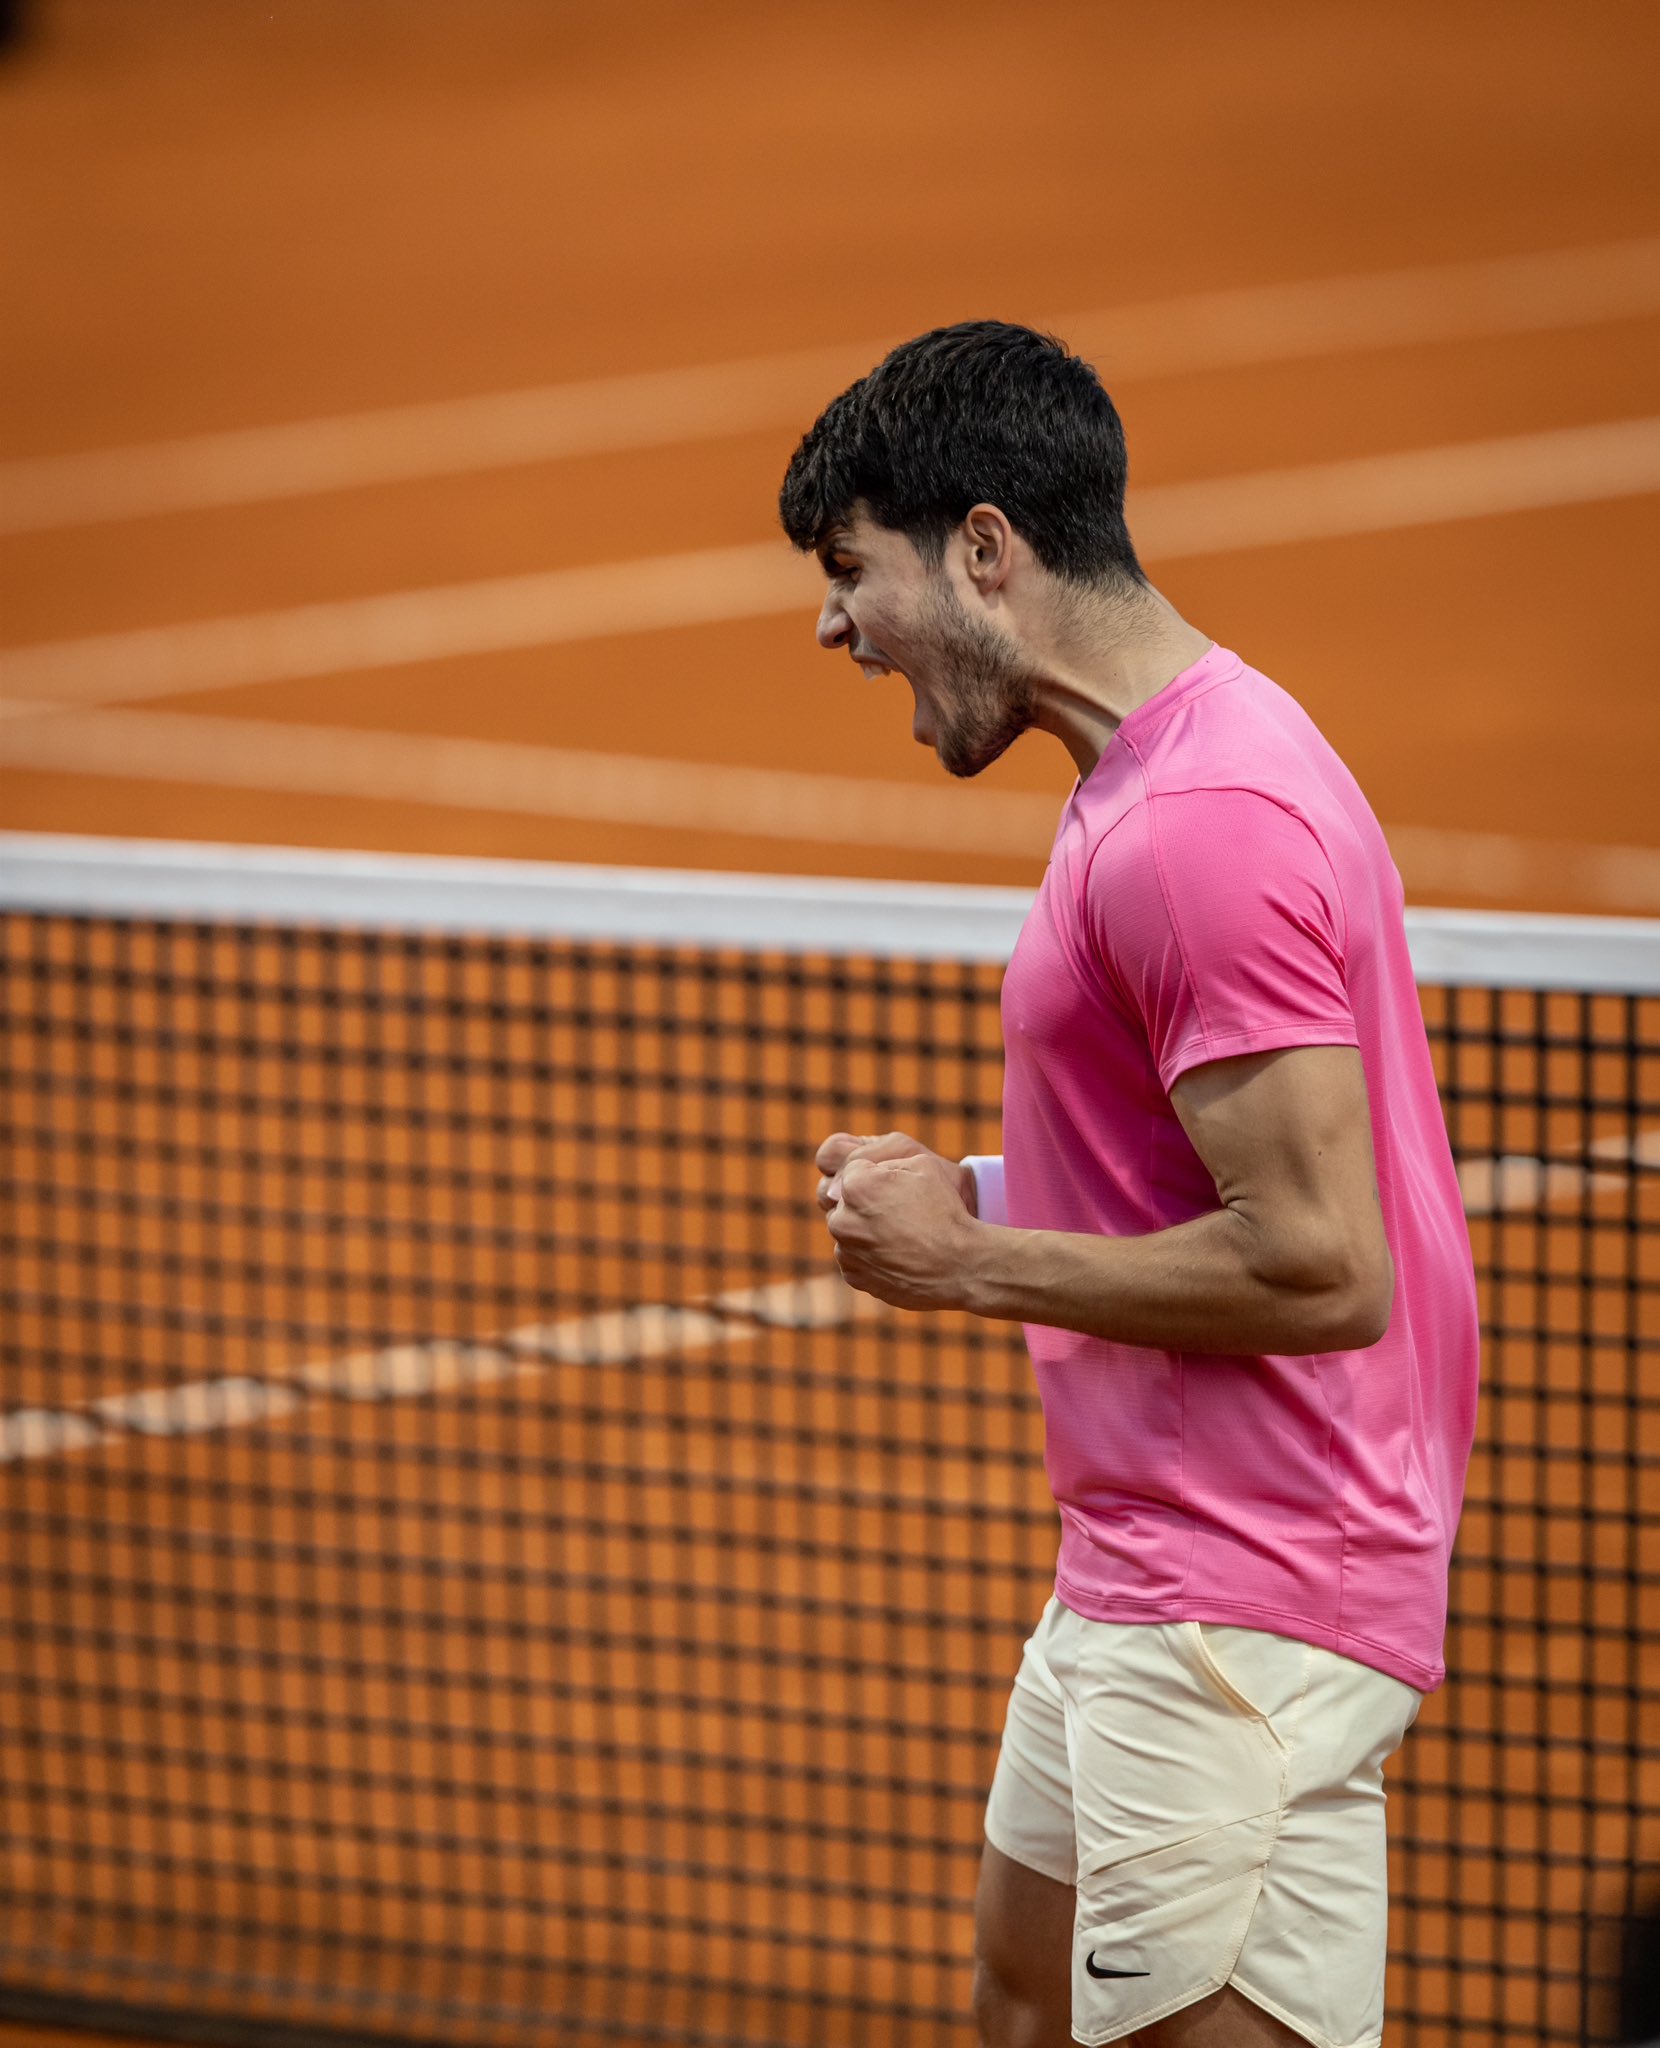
(990, 1274)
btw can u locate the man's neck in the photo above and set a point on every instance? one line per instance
(1107, 660)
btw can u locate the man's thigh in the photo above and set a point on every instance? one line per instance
(1178, 1791)
(1227, 2019)
(1135, 1768)
(1022, 1954)
(1023, 1925)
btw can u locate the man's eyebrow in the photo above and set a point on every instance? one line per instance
(834, 543)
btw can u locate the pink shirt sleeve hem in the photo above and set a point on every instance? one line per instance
(1233, 1045)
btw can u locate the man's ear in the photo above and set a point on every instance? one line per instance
(988, 544)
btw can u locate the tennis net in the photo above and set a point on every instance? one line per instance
(472, 1574)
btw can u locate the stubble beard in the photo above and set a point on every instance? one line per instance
(987, 697)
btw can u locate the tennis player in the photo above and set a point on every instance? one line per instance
(1226, 1214)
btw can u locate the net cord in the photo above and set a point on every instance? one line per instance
(296, 886)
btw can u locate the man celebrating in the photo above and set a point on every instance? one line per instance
(1227, 1215)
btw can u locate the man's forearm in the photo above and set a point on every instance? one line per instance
(1207, 1285)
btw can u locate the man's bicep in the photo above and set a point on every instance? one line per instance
(1287, 1138)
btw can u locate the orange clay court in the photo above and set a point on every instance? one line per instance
(395, 399)
(1295, 242)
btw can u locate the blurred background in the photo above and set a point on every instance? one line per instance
(395, 395)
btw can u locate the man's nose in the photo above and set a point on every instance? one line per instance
(835, 628)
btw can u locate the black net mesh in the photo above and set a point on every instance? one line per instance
(472, 1575)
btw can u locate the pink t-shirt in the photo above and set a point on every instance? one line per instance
(1220, 886)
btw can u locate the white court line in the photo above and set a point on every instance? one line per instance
(551, 782)
(406, 1371)
(631, 1336)
(1311, 318)
(1500, 865)
(712, 797)
(1512, 1181)
(546, 609)
(1416, 487)
(1220, 515)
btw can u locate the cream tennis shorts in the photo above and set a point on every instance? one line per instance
(1216, 1795)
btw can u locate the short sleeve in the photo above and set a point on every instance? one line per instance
(1216, 918)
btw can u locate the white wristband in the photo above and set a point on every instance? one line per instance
(990, 1204)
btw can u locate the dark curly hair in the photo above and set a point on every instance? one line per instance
(982, 412)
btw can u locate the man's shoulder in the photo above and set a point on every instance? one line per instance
(1245, 757)
(1203, 863)
(1211, 814)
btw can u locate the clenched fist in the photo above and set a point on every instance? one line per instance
(901, 1216)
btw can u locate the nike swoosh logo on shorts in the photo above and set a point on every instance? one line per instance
(1089, 1965)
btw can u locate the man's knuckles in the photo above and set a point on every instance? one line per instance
(836, 1150)
(841, 1146)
